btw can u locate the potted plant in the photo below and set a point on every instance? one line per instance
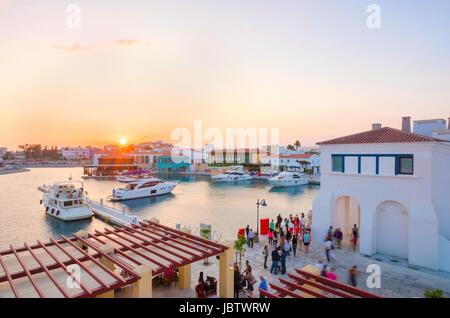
(239, 247)
(434, 293)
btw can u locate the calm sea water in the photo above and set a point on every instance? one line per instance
(195, 200)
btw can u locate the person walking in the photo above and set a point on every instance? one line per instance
(329, 233)
(275, 238)
(251, 280)
(283, 262)
(247, 229)
(353, 275)
(270, 237)
(272, 226)
(355, 235)
(339, 237)
(275, 260)
(306, 241)
(262, 286)
(294, 245)
(328, 248)
(266, 255)
(251, 238)
(287, 248)
(310, 218)
(288, 236)
(237, 280)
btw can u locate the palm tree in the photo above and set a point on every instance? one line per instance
(290, 147)
(297, 144)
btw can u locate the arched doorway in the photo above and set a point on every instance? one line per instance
(347, 213)
(392, 229)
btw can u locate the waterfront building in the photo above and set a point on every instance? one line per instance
(145, 159)
(76, 153)
(301, 162)
(3, 151)
(110, 165)
(168, 163)
(393, 184)
(235, 156)
(438, 128)
(273, 149)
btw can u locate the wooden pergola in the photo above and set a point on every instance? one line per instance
(306, 283)
(100, 262)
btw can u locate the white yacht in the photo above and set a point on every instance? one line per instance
(126, 179)
(131, 178)
(288, 179)
(142, 188)
(232, 175)
(66, 201)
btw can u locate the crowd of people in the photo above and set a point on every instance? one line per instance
(288, 237)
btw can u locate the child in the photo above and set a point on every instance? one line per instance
(271, 238)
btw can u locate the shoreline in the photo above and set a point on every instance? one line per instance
(12, 171)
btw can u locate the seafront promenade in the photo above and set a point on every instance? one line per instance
(397, 279)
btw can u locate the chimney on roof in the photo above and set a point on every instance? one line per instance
(376, 126)
(406, 124)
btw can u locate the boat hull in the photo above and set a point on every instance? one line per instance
(287, 183)
(143, 193)
(74, 214)
(232, 179)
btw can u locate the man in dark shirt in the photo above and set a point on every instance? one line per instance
(275, 260)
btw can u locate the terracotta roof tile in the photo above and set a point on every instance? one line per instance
(379, 136)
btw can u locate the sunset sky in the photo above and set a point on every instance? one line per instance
(143, 68)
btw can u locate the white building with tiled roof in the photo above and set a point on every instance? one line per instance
(394, 185)
(293, 162)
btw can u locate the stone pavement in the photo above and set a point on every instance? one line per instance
(397, 279)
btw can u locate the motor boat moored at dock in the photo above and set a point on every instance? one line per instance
(288, 179)
(142, 188)
(232, 176)
(66, 201)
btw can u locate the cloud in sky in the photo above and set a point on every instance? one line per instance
(78, 47)
(126, 42)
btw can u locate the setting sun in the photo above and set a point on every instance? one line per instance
(123, 141)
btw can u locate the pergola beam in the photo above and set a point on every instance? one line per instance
(117, 250)
(267, 294)
(132, 234)
(8, 276)
(304, 281)
(344, 287)
(301, 288)
(53, 279)
(110, 272)
(79, 263)
(134, 244)
(164, 239)
(197, 239)
(63, 266)
(285, 291)
(131, 249)
(27, 272)
(171, 261)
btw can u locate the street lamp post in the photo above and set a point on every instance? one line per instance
(258, 203)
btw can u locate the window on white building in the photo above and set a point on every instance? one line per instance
(405, 165)
(337, 163)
